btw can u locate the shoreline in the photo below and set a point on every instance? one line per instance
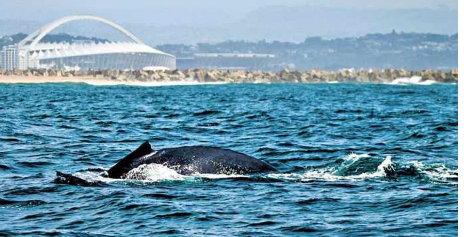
(135, 82)
(215, 77)
(106, 82)
(97, 82)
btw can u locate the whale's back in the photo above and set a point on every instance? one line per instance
(211, 160)
(191, 159)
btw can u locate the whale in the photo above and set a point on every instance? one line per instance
(185, 160)
(189, 160)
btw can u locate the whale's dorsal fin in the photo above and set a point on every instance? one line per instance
(143, 150)
(124, 165)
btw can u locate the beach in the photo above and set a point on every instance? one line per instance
(95, 81)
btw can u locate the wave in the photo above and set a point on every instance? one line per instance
(353, 167)
(362, 167)
(435, 173)
(153, 173)
(22, 203)
(415, 80)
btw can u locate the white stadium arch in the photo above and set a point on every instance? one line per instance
(35, 37)
(108, 55)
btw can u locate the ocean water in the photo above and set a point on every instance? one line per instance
(371, 160)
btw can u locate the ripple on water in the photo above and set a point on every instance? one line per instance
(354, 159)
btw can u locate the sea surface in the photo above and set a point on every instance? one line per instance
(353, 160)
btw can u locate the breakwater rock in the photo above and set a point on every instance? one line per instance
(240, 76)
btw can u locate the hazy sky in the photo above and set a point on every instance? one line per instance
(185, 12)
(192, 21)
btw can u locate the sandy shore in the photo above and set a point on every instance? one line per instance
(94, 81)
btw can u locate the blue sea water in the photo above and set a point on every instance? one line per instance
(353, 160)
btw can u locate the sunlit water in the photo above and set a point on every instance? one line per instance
(376, 160)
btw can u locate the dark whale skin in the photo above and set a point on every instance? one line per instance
(191, 159)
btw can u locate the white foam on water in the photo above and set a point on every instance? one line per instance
(153, 173)
(94, 177)
(437, 173)
(311, 175)
(158, 173)
(330, 174)
(443, 175)
(143, 173)
(415, 80)
(352, 159)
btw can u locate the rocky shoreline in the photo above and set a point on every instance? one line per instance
(240, 76)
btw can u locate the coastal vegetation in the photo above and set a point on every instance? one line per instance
(412, 51)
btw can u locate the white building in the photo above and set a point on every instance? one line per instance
(9, 57)
(31, 53)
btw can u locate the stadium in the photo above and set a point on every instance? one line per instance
(89, 55)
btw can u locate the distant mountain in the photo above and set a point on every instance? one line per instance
(413, 51)
(297, 23)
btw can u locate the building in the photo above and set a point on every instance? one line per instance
(9, 57)
(244, 61)
(131, 55)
